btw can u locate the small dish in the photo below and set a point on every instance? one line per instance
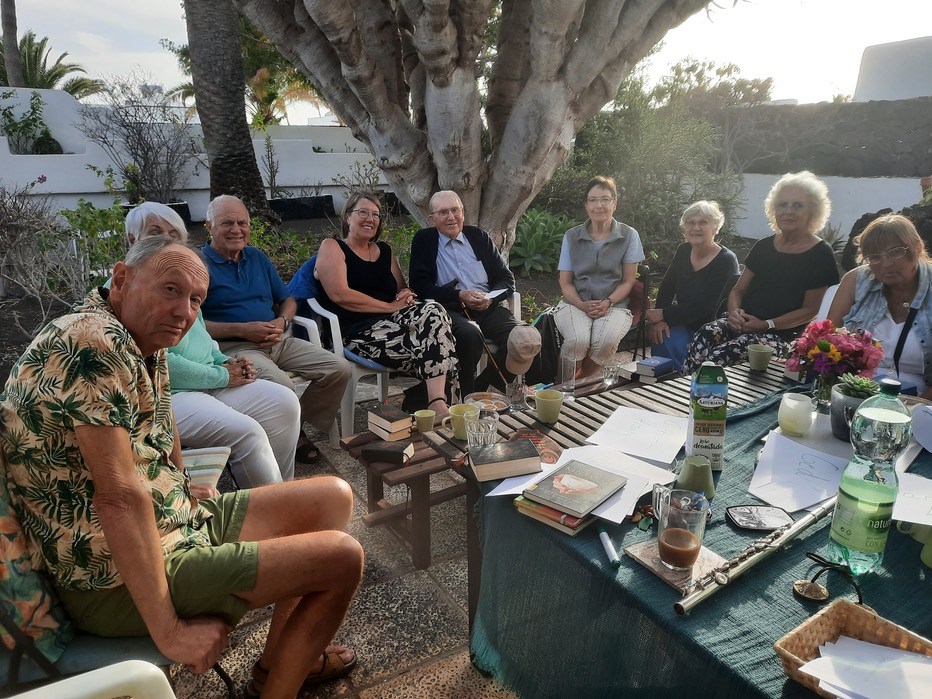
(488, 400)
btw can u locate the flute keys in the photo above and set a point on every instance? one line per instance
(810, 590)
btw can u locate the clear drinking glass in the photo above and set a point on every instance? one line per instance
(516, 392)
(568, 377)
(610, 373)
(481, 428)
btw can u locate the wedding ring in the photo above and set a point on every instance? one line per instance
(245, 373)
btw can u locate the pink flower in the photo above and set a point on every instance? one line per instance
(830, 351)
(41, 179)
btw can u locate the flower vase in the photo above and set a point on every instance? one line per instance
(841, 411)
(822, 391)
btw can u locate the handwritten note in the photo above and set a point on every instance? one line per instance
(643, 434)
(793, 476)
(914, 500)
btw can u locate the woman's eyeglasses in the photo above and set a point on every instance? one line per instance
(891, 254)
(366, 215)
(790, 206)
(601, 201)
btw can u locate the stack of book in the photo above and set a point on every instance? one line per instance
(648, 370)
(390, 423)
(515, 457)
(566, 498)
(654, 369)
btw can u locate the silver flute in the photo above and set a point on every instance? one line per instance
(715, 580)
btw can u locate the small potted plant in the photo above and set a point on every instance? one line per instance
(850, 391)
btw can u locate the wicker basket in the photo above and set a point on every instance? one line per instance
(841, 618)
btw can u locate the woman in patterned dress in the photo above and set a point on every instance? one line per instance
(380, 317)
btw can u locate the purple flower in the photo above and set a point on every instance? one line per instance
(41, 179)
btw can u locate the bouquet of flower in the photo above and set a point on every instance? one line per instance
(830, 351)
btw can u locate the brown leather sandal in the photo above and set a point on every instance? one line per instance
(333, 669)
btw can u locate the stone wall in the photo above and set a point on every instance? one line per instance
(863, 139)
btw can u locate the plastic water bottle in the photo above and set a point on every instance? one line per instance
(879, 433)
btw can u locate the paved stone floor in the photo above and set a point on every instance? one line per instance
(408, 627)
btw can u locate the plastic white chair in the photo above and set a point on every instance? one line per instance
(134, 678)
(826, 302)
(514, 304)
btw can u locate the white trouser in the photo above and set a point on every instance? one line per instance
(260, 422)
(597, 338)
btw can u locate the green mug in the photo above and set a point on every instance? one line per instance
(547, 403)
(456, 420)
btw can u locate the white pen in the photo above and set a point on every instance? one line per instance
(609, 548)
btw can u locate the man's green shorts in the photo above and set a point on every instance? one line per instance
(201, 580)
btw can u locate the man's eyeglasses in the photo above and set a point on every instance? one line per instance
(790, 206)
(443, 213)
(891, 254)
(600, 201)
(366, 215)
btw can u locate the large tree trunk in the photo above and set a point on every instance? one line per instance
(11, 55)
(559, 62)
(217, 74)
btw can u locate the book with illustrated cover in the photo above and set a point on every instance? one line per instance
(389, 418)
(548, 449)
(575, 488)
(568, 524)
(387, 452)
(515, 457)
(655, 366)
(403, 433)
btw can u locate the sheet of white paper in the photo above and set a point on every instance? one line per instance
(495, 293)
(903, 678)
(642, 433)
(793, 476)
(914, 500)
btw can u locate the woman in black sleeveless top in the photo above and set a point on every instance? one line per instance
(380, 317)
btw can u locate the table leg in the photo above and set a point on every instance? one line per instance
(374, 489)
(420, 522)
(473, 548)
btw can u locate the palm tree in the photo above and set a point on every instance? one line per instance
(14, 68)
(37, 72)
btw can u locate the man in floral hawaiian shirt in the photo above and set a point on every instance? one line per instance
(95, 473)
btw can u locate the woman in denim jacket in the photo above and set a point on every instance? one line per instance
(889, 295)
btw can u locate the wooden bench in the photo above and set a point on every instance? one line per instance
(410, 519)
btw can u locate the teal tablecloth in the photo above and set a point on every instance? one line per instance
(555, 620)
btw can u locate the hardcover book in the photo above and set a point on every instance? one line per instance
(504, 459)
(389, 418)
(568, 524)
(655, 366)
(575, 488)
(403, 433)
(387, 452)
(628, 371)
(644, 378)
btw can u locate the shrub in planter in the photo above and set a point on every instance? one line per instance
(850, 391)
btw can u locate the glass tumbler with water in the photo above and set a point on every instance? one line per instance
(864, 510)
(481, 428)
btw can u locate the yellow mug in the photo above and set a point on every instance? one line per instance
(457, 418)
(547, 403)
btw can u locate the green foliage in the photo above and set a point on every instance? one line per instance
(660, 157)
(400, 237)
(39, 74)
(27, 133)
(858, 386)
(538, 237)
(287, 249)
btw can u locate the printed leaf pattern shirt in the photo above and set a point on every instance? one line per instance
(85, 369)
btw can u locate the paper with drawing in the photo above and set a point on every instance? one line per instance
(794, 476)
(914, 500)
(643, 434)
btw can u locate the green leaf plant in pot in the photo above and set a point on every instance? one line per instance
(850, 391)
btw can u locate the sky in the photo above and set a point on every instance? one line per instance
(812, 48)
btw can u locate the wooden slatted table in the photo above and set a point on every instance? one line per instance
(440, 451)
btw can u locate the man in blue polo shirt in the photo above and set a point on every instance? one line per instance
(249, 312)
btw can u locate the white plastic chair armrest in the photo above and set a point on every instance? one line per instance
(309, 324)
(335, 335)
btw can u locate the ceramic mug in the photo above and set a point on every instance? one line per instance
(759, 356)
(456, 420)
(547, 403)
(424, 419)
